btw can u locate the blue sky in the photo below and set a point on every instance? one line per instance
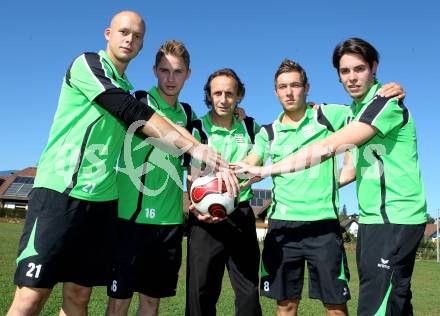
(252, 37)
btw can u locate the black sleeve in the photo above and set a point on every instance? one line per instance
(124, 106)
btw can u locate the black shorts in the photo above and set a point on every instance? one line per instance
(65, 240)
(385, 255)
(233, 244)
(148, 260)
(288, 245)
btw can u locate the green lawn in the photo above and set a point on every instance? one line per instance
(426, 287)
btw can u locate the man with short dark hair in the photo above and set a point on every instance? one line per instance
(390, 188)
(303, 218)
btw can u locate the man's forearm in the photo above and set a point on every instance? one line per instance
(165, 135)
(184, 132)
(303, 159)
(347, 174)
(354, 134)
(253, 160)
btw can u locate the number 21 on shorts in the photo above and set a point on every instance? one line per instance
(34, 270)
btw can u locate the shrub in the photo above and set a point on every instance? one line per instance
(427, 249)
(13, 213)
(348, 237)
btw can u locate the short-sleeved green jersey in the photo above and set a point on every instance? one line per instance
(233, 145)
(311, 194)
(156, 195)
(85, 139)
(389, 185)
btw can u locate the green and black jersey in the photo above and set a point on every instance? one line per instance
(311, 194)
(150, 181)
(85, 139)
(233, 145)
(389, 185)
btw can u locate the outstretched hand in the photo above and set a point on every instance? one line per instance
(245, 171)
(209, 156)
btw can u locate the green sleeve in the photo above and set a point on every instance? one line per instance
(385, 115)
(261, 147)
(90, 76)
(337, 114)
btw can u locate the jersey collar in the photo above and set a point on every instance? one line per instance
(356, 107)
(214, 128)
(103, 54)
(308, 115)
(163, 105)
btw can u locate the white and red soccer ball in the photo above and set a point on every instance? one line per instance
(205, 196)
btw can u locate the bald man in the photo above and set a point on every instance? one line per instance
(69, 227)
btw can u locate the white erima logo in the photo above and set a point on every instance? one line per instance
(345, 293)
(383, 264)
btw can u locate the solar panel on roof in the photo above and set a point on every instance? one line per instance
(25, 190)
(24, 180)
(21, 187)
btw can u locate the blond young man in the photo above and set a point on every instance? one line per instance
(150, 208)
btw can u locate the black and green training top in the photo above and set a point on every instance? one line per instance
(389, 185)
(85, 139)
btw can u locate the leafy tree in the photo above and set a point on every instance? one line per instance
(343, 213)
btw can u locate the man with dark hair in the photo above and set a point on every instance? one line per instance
(389, 185)
(359, 47)
(303, 218)
(214, 243)
(390, 188)
(68, 234)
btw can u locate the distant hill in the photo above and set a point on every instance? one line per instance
(7, 172)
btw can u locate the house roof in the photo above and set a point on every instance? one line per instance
(261, 194)
(430, 229)
(346, 222)
(259, 211)
(3, 179)
(27, 172)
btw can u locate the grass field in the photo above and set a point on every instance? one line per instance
(425, 285)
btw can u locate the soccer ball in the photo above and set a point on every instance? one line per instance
(207, 200)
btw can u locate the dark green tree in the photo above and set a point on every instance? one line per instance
(343, 213)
